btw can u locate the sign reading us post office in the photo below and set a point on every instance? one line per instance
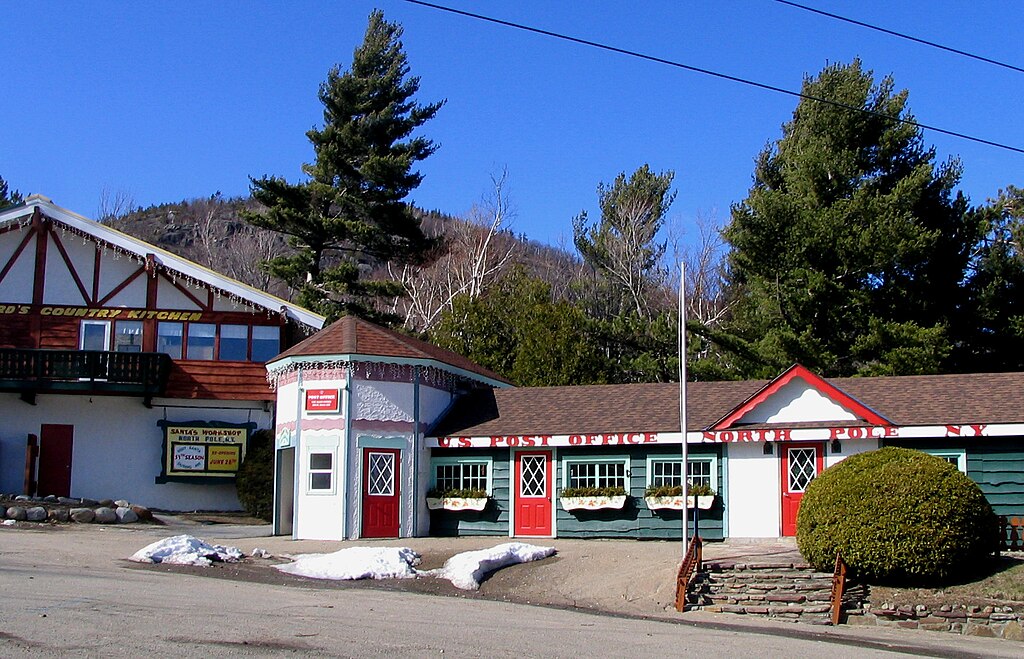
(322, 401)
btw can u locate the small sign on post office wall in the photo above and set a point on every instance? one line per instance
(322, 401)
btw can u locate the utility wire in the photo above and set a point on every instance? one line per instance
(723, 76)
(902, 35)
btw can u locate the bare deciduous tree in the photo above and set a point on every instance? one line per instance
(476, 250)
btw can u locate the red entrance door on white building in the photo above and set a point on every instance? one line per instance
(533, 490)
(56, 442)
(801, 463)
(381, 492)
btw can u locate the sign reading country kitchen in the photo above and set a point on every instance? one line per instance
(89, 312)
(199, 449)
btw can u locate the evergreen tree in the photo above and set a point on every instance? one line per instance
(996, 290)
(517, 330)
(849, 252)
(8, 197)
(349, 216)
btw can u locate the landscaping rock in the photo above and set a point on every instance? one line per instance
(17, 513)
(89, 502)
(68, 501)
(36, 514)
(59, 514)
(105, 515)
(143, 512)
(122, 503)
(52, 498)
(82, 515)
(106, 503)
(125, 515)
(23, 497)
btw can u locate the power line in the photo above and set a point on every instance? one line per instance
(708, 72)
(901, 35)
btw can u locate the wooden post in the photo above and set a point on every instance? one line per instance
(31, 453)
(838, 584)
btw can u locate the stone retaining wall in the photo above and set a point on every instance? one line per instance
(63, 510)
(991, 621)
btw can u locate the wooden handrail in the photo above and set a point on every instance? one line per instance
(838, 585)
(687, 569)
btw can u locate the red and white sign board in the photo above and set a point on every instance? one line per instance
(323, 401)
(729, 436)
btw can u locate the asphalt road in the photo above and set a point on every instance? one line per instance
(70, 594)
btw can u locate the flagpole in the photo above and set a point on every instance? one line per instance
(682, 394)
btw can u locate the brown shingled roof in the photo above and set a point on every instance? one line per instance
(351, 335)
(906, 401)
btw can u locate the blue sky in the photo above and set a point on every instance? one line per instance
(172, 101)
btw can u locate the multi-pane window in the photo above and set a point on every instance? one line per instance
(201, 339)
(595, 474)
(128, 336)
(668, 472)
(234, 343)
(168, 338)
(266, 342)
(462, 476)
(321, 472)
(955, 457)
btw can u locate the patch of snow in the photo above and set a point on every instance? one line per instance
(356, 563)
(465, 570)
(186, 550)
(9, 522)
(260, 553)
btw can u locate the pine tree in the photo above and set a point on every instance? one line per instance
(350, 215)
(849, 252)
(7, 196)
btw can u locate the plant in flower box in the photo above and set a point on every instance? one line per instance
(670, 497)
(592, 498)
(473, 498)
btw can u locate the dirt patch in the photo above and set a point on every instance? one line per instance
(1000, 583)
(212, 518)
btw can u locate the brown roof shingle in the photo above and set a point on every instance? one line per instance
(906, 401)
(351, 335)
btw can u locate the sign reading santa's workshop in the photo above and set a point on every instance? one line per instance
(198, 451)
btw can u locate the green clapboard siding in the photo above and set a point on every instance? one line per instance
(636, 520)
(996, 464)
(494, 519)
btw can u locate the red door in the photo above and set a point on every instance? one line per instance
(381, 469)
(55, 444)
(801, 463)
(533, 493)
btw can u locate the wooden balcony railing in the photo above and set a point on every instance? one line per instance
(96, 371)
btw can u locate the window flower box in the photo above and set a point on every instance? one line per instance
(594, 502)
(457, 503)
(703, 502)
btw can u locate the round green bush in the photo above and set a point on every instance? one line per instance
(898, 516)
(255, 481)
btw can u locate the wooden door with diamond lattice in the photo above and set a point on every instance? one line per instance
(381, 507)
(801, 463)
(533, 491)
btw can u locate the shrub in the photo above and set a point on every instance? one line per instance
(255, 481)
(468, 493)
(897, 515)
(593, 492)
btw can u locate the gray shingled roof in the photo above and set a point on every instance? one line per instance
(906, 401)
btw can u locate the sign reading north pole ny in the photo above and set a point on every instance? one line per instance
(324, 401)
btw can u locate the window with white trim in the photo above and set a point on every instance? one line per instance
(455, 474)
(594, 473)
(321, 472)
(955, 457)
(700, 470)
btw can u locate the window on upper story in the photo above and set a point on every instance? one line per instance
(234, 343)
(266, 342)
(201, 340)
(94, 335)
(128, 336)
(168, 338)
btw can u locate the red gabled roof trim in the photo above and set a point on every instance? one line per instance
(817, 382)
